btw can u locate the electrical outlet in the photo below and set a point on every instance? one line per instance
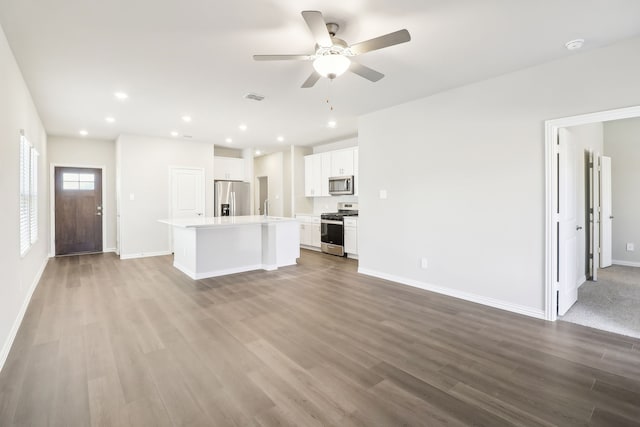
(424, 264)
(631, 247)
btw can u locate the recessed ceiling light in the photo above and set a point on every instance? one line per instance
(186, 119)
(258, 152)
(280, 138)
(83, 132)
(242, 127)
(174, 133)
(121, 95)
(109, 119)
(332, 123)
(574, 44)
(228, 140)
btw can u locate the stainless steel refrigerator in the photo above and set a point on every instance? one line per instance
(232, 198)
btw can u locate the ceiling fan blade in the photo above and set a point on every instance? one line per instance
(401, 36)
(318, 27)
(313, 78)
(366, 72)
(281, 57)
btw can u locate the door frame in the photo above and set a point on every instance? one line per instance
(551, 128)
(52, 204)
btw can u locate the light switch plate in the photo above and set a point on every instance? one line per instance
(383, 194)
(631, 247)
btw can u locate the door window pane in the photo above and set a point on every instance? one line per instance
(78, 181)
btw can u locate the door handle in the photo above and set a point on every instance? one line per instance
(578, 228)
(611, 217)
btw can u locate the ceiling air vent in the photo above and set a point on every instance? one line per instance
(254, 97)
(187, 136)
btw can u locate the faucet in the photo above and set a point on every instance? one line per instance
(266, 207)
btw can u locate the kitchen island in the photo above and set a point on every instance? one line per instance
(216, 246)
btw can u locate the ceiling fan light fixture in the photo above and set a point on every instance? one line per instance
(331, 65)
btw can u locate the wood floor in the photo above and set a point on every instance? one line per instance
(109, 342)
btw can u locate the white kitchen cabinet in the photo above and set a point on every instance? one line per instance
(342, 162)
(309, 230)
(228, 168)
(351, 236)
(312, 175)
(315, 232)
(325, 173)
(316, 175)
(319, 167)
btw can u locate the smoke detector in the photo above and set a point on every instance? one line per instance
(574, 44)
(254, 97)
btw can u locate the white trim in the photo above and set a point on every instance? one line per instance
(582, 280)
(6, 347)
(311, 248)
(114, 250)
(551, 130)
(626, 263)
(502, 305)
(52, 204)
(144, 254)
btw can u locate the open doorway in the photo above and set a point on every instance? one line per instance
(582, 242)
(263, 194)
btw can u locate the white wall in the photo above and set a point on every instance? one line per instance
(586, 138)
(336, 145)
(271, 166)
(287, 180)
(65, 151)
(464, 172)
(301, 204)
(143, 169)
(622, 144)
(19, 274)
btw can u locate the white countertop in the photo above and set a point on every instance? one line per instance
(224, 221)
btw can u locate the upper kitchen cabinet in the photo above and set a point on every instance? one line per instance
(319, 167)
(342, 162)
(312, 179)
(228, 168)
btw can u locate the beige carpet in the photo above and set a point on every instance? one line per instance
(611, 304)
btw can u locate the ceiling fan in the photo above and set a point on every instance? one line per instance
(331, 56)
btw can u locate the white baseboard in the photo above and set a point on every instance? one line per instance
(626, 263)
(110, 250)
(491, 302)
(311, 248)
(6, 347)
(582, 280)
(144, 254)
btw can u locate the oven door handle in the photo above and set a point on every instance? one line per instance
(330, 221)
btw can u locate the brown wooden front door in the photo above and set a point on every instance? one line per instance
(78, 210)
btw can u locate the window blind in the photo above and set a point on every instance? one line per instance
(33, 199)
(28, 195)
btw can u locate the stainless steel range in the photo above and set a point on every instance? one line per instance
(332, 228)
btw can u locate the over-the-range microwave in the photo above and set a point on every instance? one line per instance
(339, 185)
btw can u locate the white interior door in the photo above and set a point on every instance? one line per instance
(595, 214)
(567, 224)
(187, 194)
(606, 216)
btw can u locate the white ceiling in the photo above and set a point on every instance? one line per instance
(195, 57)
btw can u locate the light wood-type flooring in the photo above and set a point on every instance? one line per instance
(137, 343)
